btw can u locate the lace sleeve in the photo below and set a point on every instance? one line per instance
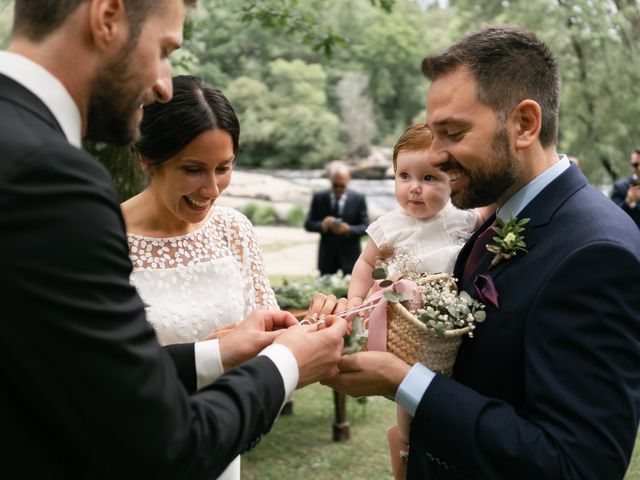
(254, 276)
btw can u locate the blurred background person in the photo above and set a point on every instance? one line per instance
(626, 192)
(340, 216)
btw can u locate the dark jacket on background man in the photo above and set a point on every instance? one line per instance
(338, 252)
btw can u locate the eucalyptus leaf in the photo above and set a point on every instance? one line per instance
(386, 283)
(480, 316)
(466, 297)
(379, 273)
(391, 296)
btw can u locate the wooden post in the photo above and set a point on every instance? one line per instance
(341, 425)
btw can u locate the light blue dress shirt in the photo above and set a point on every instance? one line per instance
(419, 378)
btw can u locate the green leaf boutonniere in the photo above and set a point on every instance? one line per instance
(508, 240)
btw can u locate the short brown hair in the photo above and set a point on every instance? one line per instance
(417, 137)
(509, 65)
(35, 19)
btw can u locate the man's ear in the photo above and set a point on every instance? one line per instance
(108, 24)
(526, 120)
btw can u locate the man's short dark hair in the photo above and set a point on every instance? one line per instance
(35, 19)
(637, 150)
(509, 65)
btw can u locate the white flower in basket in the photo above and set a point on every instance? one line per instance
(423, 320)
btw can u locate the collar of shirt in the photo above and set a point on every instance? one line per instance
(341, 201)
(48, 89)
(526, 194)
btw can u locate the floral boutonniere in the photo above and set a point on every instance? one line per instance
(508, 240)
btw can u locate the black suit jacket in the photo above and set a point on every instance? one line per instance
(87, 392)
(338, 252)
(549, 387)
(619, 196)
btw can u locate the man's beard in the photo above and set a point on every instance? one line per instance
(489, 185)
(113, 104)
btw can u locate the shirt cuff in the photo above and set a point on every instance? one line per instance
(286, 364)
(208, 362)
(413, 387)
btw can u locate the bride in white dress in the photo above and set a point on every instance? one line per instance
(197, 266)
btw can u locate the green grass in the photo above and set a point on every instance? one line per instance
(300, 445)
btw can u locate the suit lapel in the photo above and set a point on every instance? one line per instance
(327, 203)
(461, 260)
(540, 210)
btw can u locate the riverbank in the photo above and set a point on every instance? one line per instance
(288, 189)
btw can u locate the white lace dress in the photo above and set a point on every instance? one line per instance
(198, 282)
(432, 245)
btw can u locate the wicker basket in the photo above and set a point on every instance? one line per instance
(410, 340)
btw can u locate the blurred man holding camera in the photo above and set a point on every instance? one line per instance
(626, 192)
(340, 216)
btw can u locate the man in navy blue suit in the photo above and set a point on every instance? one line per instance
(549, 387)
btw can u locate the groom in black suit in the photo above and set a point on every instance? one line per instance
(549, 386)
(86, 390)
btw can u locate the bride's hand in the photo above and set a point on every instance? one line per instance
(221, 332)
(326, 304)
(322, 305)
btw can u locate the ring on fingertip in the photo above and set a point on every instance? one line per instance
(321, 322)
(305, 322)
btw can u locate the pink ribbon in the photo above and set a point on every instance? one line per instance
(377, 335)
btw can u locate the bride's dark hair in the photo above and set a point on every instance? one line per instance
(196, 107)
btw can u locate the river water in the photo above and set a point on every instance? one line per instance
(379, 193)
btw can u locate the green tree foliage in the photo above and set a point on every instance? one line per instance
(597, 46)
(285, 123)
(285, 63)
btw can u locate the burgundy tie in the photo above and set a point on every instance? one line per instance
(478, 251)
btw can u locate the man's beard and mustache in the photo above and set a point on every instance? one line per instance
(115, 99)
(483, 187)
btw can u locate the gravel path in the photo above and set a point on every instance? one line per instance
(288, 251)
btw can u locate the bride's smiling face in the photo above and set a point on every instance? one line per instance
(186, 186)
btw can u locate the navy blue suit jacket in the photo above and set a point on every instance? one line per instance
(338, 252)
(549, 387)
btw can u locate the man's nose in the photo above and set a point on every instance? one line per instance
(163, 88)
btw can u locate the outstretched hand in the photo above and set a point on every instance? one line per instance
(322, 305)
(317, 348)
(252, 335)
(368, 373)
